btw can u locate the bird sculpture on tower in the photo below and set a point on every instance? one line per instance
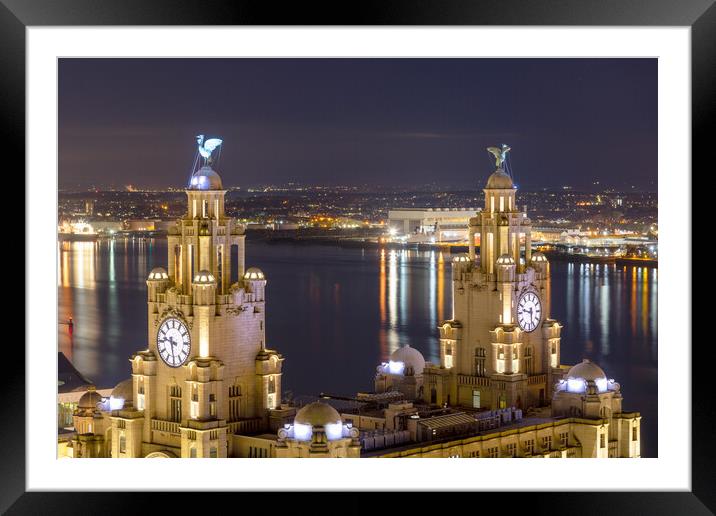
(207, 147)
(499, 153)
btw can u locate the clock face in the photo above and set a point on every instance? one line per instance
(173, 342)
(529, 311)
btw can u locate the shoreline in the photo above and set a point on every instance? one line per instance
(367, 242)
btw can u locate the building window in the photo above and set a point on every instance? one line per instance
(271, 385)
(475, 454)
(192, 452)
(476, 399)
(175, 403)
(212, 452)
(194, 402)
(529, 364)
(601, 441)
(529, 446)
(500, 359)
(564, 439)
(553, 357)
(190, 259)
(433, 396)
(220, 267)
(633, 433)
(502, 402)
(493, 452)
(547, 442)
(122, 444)
(177, 264)
(212, 405)
(234, 403)
(511, 450)
(480, 358)
(448, 356)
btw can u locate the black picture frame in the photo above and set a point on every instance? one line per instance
(700, 15)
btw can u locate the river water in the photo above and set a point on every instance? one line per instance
(336, 313)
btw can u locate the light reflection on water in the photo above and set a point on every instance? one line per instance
(335, 313)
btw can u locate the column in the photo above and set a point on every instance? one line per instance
(471, 242)
(528, 246)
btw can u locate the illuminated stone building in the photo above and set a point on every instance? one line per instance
(501, 348)
(207, 385)
(585, 420)
(206, 374)
(429, 225)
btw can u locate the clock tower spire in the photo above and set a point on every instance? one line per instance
(207, 374)
(500, 348)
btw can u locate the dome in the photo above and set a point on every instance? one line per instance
(204, 277)
(539, 257)
(317, 414)
(90, 399)
(587, 377)
(505, 259)
(499, 180)
(254, 273)
(122, 395)
(411, 358)
(158, 273)
(586, 370)
(205, 179)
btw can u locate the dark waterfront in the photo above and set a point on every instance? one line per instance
(336, 313)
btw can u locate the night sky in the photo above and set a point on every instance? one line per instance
(393, 122)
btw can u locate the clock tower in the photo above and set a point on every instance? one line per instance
(501, 348)
(206, 373)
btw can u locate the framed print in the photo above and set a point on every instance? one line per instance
(430, 231)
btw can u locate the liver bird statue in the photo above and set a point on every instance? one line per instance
(207, 147)
(499, 153)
